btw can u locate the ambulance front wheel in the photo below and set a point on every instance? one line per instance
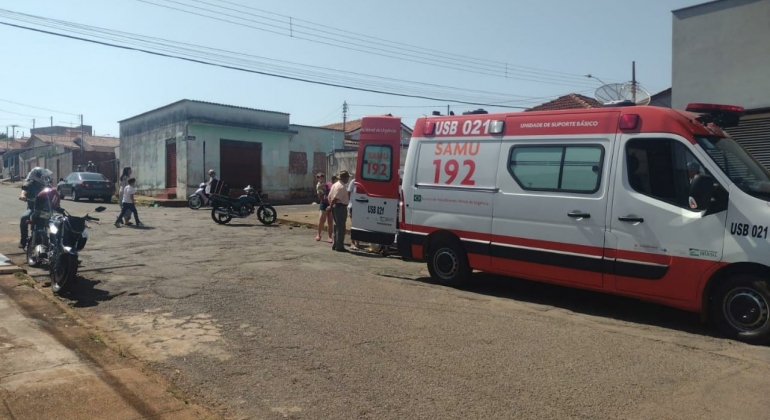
(448, 262)
(741, 308)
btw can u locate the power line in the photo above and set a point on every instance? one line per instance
(500, 64)
(353, 46)
(37, 107)
(192, 60)
(23, 115)
(188, 49)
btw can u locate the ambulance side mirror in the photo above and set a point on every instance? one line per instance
(702, 190)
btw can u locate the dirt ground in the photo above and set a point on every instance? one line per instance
(264, 322)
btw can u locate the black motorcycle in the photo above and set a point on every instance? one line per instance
(56, 239)
(226, 208)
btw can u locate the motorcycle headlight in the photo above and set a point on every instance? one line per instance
(84, 234)
(53, 229)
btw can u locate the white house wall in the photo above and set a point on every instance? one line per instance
(721, 54)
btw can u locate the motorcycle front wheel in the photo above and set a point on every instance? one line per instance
(194, 202)
(266, 214)
(64, 273)
(221, 219)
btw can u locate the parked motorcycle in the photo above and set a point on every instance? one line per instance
(225, 208)
(195, 201)
(55, 241)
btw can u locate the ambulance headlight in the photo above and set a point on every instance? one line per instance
(496, 127)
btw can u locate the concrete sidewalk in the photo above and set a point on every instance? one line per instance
(53, 367)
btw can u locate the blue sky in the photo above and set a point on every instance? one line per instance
(546, 46)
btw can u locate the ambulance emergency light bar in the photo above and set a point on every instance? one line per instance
(721, 115)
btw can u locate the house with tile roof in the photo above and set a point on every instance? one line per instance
(353, 131)
(571, 101)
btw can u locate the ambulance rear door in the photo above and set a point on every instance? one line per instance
(375, 197)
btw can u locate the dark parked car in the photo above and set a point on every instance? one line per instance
(88, 185)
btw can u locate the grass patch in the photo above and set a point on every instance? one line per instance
(96, 337)
(120, 351)
(24, 279)
(176, 393)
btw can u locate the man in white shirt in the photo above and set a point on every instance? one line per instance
(338, 206)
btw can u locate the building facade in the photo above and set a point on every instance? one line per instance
(721, 55)
(171, 149)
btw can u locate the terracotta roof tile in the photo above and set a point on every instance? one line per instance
(6, 144)
(571, 101)
(101, 141)
(65, 141)
(350, 126)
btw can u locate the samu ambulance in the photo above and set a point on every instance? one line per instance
(647, 202)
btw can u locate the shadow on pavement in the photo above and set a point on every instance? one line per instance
(584, 302)
(86, 295)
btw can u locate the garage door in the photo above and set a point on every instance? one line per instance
(171, 165)
(753, 133)
(241, 164)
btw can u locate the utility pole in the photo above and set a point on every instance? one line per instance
(344, 121)
(447, 109)
(51, 133)
(33, 127)
(82, 140)
(633, 81)
(13, 131)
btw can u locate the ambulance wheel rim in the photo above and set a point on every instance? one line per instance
(446, 263)
(746, 310)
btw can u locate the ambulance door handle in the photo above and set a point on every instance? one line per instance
(362, 200)
(579, 214)
(631, 218)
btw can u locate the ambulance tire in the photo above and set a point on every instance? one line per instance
(448, 262)
(741, 308)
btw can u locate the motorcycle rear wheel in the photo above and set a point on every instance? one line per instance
(64, 273)
(195, 202)
(221, 219)
(266, 214)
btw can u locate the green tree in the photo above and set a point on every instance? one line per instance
(3, 136)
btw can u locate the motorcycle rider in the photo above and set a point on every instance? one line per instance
(37, 179)
(212, 180)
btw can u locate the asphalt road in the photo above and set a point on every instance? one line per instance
(264, 322)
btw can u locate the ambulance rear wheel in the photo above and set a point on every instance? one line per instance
(448, 262)
(741, 308)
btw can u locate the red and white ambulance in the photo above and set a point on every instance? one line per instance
(652, 203)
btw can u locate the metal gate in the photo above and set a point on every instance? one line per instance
(171, 165)
(753, 133)
(241, 164)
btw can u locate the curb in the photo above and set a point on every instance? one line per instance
(7, 266)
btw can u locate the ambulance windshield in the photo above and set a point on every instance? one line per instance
(748, 174)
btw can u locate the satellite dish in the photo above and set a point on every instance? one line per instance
(615, 92)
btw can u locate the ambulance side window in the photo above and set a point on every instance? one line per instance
(662, 169)
(573, 168)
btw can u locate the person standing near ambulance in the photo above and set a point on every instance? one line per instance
(338, 206)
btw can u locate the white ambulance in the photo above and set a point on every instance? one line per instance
(652, 203)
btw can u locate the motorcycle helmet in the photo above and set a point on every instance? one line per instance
(40, 175)
(47, 200)
(203, 185)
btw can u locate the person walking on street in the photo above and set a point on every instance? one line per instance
(123, 183)
(351, 191)
(128, 203)
(338, 206)
(322, 188)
